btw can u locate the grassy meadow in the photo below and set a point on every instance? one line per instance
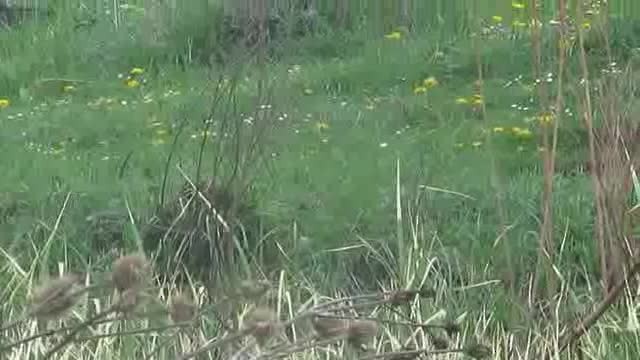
(402, 163)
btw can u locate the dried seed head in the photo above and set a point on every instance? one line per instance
(129, 271)
(55, 298)
(328, 327)
(253, 290)
(181, 308)
(261, 323)
(360, 331)
(477, 351)
(128, 300)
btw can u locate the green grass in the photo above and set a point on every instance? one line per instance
(343, 116)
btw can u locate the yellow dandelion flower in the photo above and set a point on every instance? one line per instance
(497, 18)
(517, 5)
(522, 133)
(477, 99)
(430, 82)
(519, 24)
(535, 23)
(322, 126)
(395, 35)
(419, 90)
(68, 88)
(462, 101)
(136, 71)
(476, 143)
(132, 83)
(161, 132)
(545, 119)
(4, 103)
(586, 25)
(498, 129)
(158, 141)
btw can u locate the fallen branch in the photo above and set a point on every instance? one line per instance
(576, 331)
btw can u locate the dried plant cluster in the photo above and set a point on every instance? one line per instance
(55, 298)
(253, 327)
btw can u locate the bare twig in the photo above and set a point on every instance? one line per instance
(576, 331)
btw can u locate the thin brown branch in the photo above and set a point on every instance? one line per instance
(576, 331)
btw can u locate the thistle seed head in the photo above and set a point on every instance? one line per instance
(129, 272)
(181, 308)
(128, 300)
(55, 298)
(261, 323)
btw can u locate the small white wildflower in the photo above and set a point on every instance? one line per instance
(384, 145)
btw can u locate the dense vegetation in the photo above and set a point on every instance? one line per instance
(460, 158)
